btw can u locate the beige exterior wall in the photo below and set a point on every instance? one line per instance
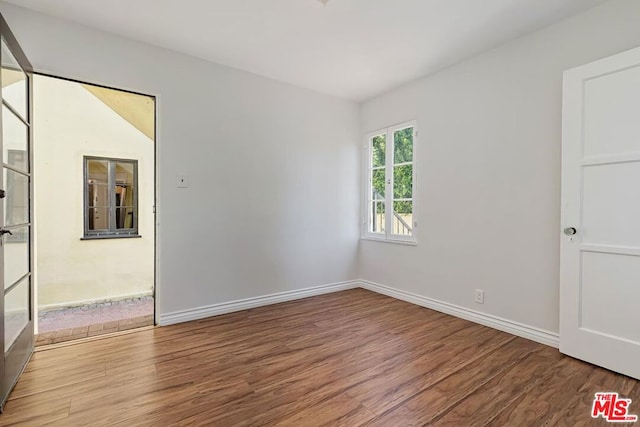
(72, 123)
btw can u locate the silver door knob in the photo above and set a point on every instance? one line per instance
(570, 231)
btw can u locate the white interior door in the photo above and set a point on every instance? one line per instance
(600, 260)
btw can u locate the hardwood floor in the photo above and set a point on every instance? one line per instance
(349, 358)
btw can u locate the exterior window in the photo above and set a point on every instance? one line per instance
(390, 183)
(111, 198)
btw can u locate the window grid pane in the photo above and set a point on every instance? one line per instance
(403, 145)
(377, 184)
(377, 218)
(378, 150)
(403, 182)
(98, 171)
(124, 218)
(402, 218)
(98, 219)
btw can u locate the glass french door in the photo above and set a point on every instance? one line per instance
(16, 231)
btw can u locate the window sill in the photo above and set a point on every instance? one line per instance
(394, 241)
(112, 236)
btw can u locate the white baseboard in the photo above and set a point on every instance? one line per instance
(245, 304)
(525, 331)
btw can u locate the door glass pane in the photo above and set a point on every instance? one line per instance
(16, 255)
(402, 218)
(403, 146)
(378, 150)
(16, 312)
(377, 214)
(14, 82)
(16, 201)
(14, 140)
(403, 182)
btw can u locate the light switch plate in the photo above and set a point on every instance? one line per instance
(182, 181)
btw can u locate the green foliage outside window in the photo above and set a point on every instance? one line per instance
(379, 151)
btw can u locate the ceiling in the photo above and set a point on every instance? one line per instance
(352, 49)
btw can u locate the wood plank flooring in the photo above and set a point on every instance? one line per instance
(349, 358)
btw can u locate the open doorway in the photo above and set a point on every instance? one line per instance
(94, 192)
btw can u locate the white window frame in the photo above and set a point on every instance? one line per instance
(388, 236)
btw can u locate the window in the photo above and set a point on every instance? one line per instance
(111, 198)
(390, 183)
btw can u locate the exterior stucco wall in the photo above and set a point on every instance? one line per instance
(72, 123)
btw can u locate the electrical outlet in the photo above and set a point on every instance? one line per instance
(479, 296)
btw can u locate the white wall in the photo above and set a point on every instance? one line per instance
(488, 189)
(273, 202)
(71, 123)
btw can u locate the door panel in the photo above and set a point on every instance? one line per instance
(609, 209)
(611, 104)
(600, 261)
(604, 278)
(15, 211)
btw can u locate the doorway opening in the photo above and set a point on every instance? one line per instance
(94, 220)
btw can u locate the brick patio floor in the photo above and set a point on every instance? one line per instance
(71, 323)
